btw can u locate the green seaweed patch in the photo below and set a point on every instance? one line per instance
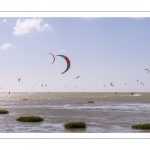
(75, 125)
(25, 99)
(90, 102)
(4, 112)
(141, 126)
(30, 119)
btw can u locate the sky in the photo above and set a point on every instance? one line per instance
(101, 51)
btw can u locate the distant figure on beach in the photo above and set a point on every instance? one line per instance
(132, 93)
(116, 92)
(9, 92)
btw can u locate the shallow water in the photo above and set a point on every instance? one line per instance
(110, 112)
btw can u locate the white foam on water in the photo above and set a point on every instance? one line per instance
(136, 95)
(127, 107)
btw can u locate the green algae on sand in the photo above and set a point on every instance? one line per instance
(90, 102)
(75, 125)
(30, 119)
(141, 126)
(4, 112)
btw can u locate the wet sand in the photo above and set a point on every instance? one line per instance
(110, 112)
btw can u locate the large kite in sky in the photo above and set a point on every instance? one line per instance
(68, 62)
(53, 57)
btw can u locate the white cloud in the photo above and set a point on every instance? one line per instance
(24, 27)
(62, 50)
(90, 18)
(138, 18)
(4, 21)
(6, 46)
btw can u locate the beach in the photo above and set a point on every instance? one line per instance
(110, 112)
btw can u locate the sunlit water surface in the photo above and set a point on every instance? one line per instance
(110, 112)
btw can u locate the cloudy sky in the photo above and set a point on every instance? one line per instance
(101, 51)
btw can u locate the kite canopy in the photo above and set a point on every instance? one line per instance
(77, 77)
(147, 70)
(68, 62)
(111, 84)
(53, 57)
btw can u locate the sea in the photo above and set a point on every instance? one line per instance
(102, 112)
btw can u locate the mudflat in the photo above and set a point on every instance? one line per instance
(108, 112)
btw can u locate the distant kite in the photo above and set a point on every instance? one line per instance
(147, 70)
(68, 62)
(77, 77)
(111, 84)
(125, 83)
(19, 79)
(137, 80)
